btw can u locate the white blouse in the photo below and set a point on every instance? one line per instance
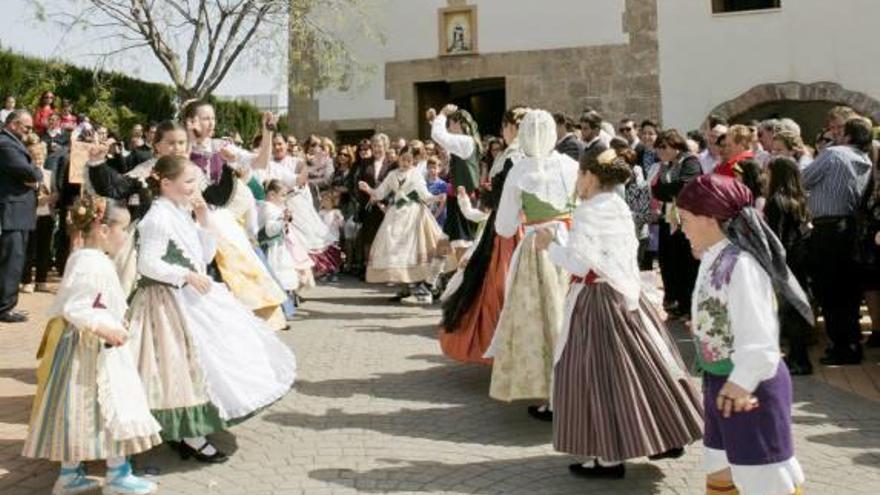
(166, 222)
(90, 295)
(402, 183)
(754, 323)
(459, 145)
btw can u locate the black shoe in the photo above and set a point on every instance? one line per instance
(186, 452)
(841, 359)
(598, 471)
(799, 367)
(12, 317)
(873, 341)
(541, 413)
(669, 454)
(400, 297)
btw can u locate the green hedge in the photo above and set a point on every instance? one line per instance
(111, 98)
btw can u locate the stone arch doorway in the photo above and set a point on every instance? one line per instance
(805, 103)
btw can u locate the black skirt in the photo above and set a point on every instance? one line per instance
(457, 227)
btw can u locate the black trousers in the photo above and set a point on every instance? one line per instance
(836, 287)
(39, 251)
(678, 267)
(12, 259)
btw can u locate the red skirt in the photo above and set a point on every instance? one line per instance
(469, 342)
(327, 261)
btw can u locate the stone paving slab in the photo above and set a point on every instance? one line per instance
(377, 409)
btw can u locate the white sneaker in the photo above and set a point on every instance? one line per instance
(27, 289)
(425, 299)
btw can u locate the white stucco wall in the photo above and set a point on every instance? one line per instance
(503, 25)
(707, 59)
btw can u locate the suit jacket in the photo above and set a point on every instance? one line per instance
(18, 202)
(571, 146)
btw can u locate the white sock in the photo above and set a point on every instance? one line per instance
(605, 463)
(199, 442)
(115, 462)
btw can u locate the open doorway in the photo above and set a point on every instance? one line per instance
(810, 115)
(485, 99)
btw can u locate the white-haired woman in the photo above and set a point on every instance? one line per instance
(538, 193)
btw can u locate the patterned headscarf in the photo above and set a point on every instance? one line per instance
(729, 201)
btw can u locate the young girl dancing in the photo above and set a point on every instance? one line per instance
(274, 227)
(205, 360)
(93, 404)
(620, 389)
(746, 385)
(409, 236)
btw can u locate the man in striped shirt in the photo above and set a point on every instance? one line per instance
(836, 182)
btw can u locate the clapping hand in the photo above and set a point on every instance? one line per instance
(199, 207)
(449, 109)
(431, 114)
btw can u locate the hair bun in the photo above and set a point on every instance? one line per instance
(86, 211)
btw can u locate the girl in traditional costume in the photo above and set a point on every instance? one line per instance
(239, 266)
(274, 226)
(539, 193)
(462, 141)
(471, 312)
(746, 385)
(409, 237)
(93, 404)
(620, 389)
(205, 360)
(307, 230)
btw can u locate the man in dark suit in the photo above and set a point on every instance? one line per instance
(18, 209)
(591, 128)
(568, 143)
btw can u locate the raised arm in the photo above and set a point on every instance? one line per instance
(456, 144)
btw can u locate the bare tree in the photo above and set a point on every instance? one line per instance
(197, 42)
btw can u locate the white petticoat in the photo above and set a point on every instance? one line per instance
(246, 366)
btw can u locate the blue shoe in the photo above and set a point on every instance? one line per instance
(121, 481)
(73, 481)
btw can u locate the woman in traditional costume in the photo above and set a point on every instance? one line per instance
(93, 404)
(471, 312)
(539, 193)
(462, 141)
(239, 266)
(408, 239)
(746, 385)
(620, 387)
(205, 360)
(307, 230)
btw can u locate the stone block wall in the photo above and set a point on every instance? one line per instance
(620, 80)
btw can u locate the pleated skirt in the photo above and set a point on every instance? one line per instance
(621, 389)
(67, 423)
(472, 335)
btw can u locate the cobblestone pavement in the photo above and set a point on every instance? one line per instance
(377, 409)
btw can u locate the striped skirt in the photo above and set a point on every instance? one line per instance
(621, 389)
(68, 422)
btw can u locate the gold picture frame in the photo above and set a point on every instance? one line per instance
(458, 30)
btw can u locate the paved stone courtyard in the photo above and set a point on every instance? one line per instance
(378, 409)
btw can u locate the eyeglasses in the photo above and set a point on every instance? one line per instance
(625, 129)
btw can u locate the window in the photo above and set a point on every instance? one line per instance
(724, 6)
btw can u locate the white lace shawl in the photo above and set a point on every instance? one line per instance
(603, 239)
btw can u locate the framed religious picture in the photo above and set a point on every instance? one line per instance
(458, 30)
